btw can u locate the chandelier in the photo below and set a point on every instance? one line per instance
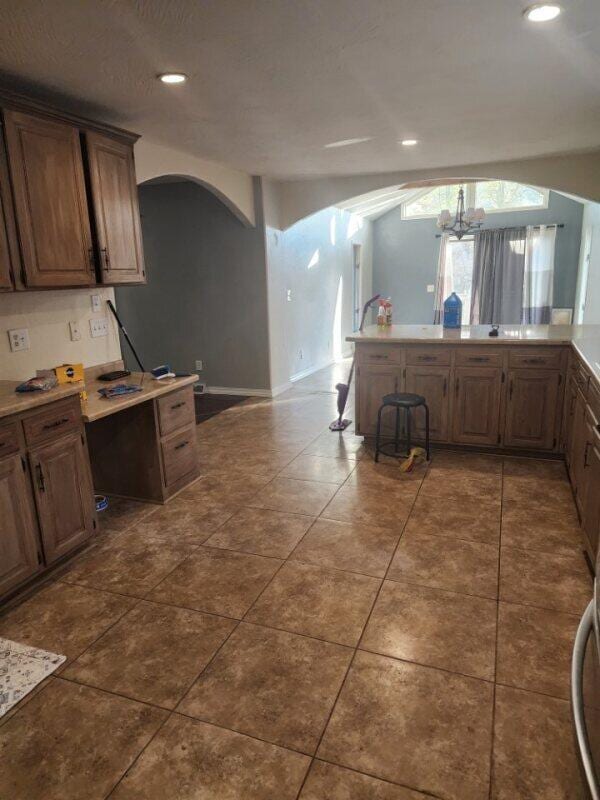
(465, 222)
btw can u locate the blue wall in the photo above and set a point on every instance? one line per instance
(406, 252)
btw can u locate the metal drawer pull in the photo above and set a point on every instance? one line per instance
(538, 360)
(179, 446)
(427, 358)
(40, 477)
(585, 454)
(510, 390)
(177, 405)
(104, 252)
(445, 386)
(479, 359)
(49, 425)
(378, 356)
(584, 631)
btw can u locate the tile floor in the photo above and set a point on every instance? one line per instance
(303, 623)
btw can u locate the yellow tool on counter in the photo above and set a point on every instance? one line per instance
(69, 373)
(416, 455)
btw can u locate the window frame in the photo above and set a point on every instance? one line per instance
(470, 192)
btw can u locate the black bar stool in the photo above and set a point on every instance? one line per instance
(406, 401)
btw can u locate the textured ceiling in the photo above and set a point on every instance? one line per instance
(272, 81)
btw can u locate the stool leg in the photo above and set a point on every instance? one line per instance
(378, 433)
(397, 438)
(408, 431)
(427, 430)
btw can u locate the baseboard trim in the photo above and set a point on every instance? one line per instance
(310, 371)
(237, 390)
(284, 387)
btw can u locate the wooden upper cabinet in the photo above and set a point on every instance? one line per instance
(9, 248)
(18, 540)
(46, 167)
(116, 210)
(478, 393)
(532, 410)
(433, 383)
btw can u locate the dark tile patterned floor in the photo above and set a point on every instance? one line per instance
(302, 623)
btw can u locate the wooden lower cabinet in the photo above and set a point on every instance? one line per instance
(374, 382)
(434, 384)
(477, 399)
(19, 549)
(577, 452)
(63, 494)
(532, 409)
(590, 514)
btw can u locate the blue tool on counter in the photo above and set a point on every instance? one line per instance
(119, 390)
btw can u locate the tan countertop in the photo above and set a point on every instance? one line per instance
(96, 406)
(469, 334)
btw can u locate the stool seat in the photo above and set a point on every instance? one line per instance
(403, 400)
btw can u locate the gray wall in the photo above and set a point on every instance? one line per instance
(206, 296)
(405, 255)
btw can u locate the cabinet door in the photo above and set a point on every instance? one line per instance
(18, 535)
(477, 405)
(568, 420)
(116, 211)
(433, 384)
(63, 494)
(374, 382)
(51, 209)
(532, 409)
(577, 447)
(591, 505)
(9, 249)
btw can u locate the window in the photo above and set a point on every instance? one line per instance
(493, 196)
(459, 270)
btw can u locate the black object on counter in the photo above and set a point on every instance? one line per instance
(494, 331)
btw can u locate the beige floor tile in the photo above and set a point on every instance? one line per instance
(534, 468)
(224, 489)
(237, 458)
(458, 488)
(474, 519)
(472, 464)
(330, 782)
(179, 522)
(72, 742)
(319, 468)
(262, 531)
(63, 619)
(357, 548)
(387, 475)
(534, 648)
(433, 627)
(189, 760)
(414, 725)
(531, 494)
(217, 581)
(534, 755)
(122, 513)
(444, 563)
(317, 601)
(547, 580)
(270, 684)
(128, 568)
(369, 506)
(295, 497)
(336, 445)
(548, 531)
(152, 654)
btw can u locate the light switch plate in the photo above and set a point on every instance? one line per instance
(99, 327)
(430, 288)
(199, 366)
(19, 339)
(75, 331)
(95, 303)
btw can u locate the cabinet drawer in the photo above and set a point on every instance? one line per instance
(179, 455)
(378, 354)
(9, 439)
(468, 357)
(53, 421)
(593, 399)
(416, 356)
(176, 410)
(544, 357)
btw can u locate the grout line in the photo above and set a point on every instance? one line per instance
(499, 577)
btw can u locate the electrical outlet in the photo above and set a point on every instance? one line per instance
(300, 354)
(430, 288)
(289, 295)
(96, 307)
(19, 339)
(99, 327)
(199, 366)
(75, 331)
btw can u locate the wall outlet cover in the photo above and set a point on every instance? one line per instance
(99, 327)
(75, 331)
(199, 366)
(430, 288)
(199, 388)
(96, 304)
(19, 339)
(289, 295)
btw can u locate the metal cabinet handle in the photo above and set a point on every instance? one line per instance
(479, 359)
(585, 454)
(177, 405)
(538, 360)
(510, 390)
(40, 478)
(378, 356)
(427, 358)
(584, 632)
(91, 258)
(56, 424)
(104, 251)
(179, 446)
(456, 387)
(445, 386)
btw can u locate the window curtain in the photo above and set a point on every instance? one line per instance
(441, 282)
(538, 283)
(498, 274)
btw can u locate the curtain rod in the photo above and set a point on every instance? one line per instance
(510, 227)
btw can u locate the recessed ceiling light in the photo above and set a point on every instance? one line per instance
(542, 12)
(173, 77)
(346, 142)
(409, 142)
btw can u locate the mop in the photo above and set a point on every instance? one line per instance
(340, 424)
